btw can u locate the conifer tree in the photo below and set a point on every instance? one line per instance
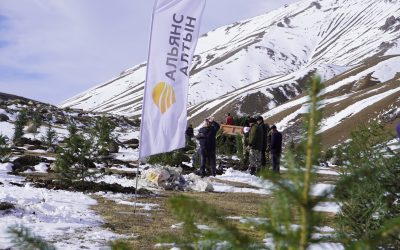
(239, 147)
(37, 119)
(50, 138)
(19, 124)
(35, 122)
(292, 192)
(368, 190)
(74, 158)
(23, 238)
(102, 135)
(4, 148)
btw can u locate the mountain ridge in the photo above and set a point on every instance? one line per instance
(265, 61)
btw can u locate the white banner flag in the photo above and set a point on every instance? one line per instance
(174, 35)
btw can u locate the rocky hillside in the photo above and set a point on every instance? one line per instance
(261, 66)
(32, 141)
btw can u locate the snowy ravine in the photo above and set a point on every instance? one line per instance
(61, 217)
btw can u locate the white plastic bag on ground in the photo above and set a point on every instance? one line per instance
(196, 183)
(156, 175)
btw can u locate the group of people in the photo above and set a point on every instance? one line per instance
(259, 143)
(259, 140)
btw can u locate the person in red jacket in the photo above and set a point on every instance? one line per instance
(229, 119)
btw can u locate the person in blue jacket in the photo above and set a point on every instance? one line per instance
(207, 140)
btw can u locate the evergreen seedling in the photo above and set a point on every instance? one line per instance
(226, 144)
(35, 122)
(74, 159)
(293, 201)
(19, 124)
(239, 147)
(50, 138)
(22, 238)
(239, 120)
(4, 147)
(102, 135)
(37, 119)
(329, 154)
(368, 190)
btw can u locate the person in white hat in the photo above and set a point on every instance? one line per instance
(245, 142)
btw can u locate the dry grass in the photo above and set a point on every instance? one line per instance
(143, 226)
(146, 226)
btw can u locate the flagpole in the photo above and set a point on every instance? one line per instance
(143, 106)
(136, 187)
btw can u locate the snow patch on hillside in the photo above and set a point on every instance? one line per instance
(58, 216)
(353, 109)
(387, 71)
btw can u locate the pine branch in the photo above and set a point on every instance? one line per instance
(22, 238)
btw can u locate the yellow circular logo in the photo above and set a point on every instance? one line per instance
(163, 96)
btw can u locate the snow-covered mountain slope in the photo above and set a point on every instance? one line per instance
(255, 65)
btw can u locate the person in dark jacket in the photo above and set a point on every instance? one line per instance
(189, 134)
(207, 143)
(256, 135)
(265, 129)
(276, 148)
